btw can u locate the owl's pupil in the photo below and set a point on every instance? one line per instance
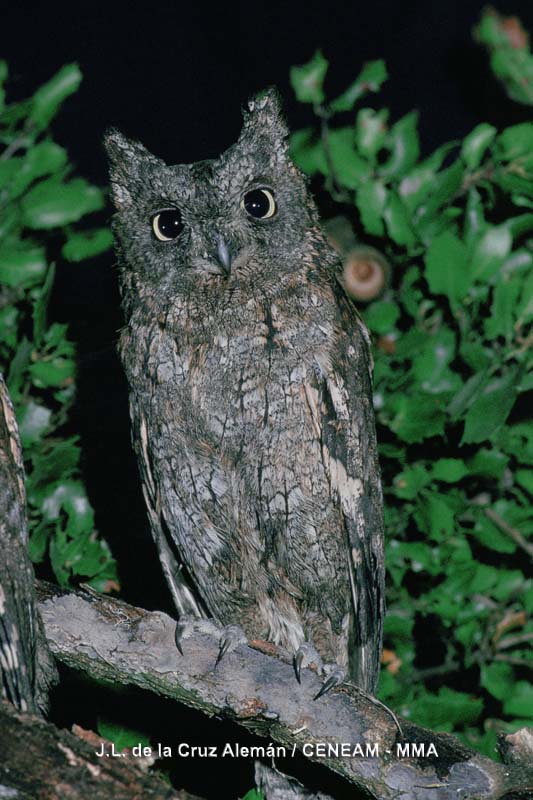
(259, 203)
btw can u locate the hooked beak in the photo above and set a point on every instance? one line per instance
(223, 255)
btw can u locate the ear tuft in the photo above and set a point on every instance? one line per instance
(128, 159)
(264, 117)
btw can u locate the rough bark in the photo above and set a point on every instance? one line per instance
(120, 644)
(26, 667)
(40, 762)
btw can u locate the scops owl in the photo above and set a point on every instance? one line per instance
(250, 397)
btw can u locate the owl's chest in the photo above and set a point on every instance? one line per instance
(233, 376)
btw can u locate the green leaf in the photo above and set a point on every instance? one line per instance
(18, 367)
(370, 131)
(418, 418)
(489, 463)
(381, 315)
(520, 703)
(34, 421)
(58, 555)
(398, 221)
(308, 79)
(490, 536)
(402, 141)
(42, 159)
(420, 181)
(449, 470)
(51, 203)
(469, 392)
(49, 97)
(509, 585)
(350, 168)
(371, 199)
(70, 496)
(446, 185)
(22, 268)
(498, 679)
(431, 369)
(121, 735)
(3, 77)
(446, 709)
(490, 251)
(56, 371)
(435, 515)
(9, 326)
(447, 270)
(474, 221)
(370, 79)
(524, 310)
(253, 794)
(398, 626)
(307, 152)
(53, 463)
(503, 310)
(38, 542)
(516, 144)
(524, 477)
(409, 483)
(476, 143)
(41, 305)
(87, 244)
(491, 409)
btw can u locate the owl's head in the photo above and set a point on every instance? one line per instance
(244, 215)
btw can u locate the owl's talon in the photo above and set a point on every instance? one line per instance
(224, 647)
(306, 656)
(187, 625)
(232, 637)
(297, 661)
(336, 677)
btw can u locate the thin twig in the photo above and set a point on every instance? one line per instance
(513, 641)
(516, 662)
(511, 532)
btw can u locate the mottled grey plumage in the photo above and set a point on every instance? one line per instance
(250, 398)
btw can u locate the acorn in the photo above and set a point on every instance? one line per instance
(365, 273)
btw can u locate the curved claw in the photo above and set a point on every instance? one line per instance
(297, 663)
(178, 635)
(329, 684)
(224, 647)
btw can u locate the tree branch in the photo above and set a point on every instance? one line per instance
(40, 762)
(120, 644)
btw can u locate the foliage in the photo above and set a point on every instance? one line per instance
(510, 56)
(453, 384)
(40, 203)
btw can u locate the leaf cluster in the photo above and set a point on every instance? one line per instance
(40, 203)
(453, 385)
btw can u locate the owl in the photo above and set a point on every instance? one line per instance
(249, 376)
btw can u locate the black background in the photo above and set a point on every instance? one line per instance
(175, 76)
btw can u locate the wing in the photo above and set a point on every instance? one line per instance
(351, 461)
(184, 595)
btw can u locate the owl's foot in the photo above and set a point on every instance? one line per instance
(231, 637)
(187, 625)
(307, 656)
(335, 675)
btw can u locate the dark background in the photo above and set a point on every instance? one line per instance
(175, 76)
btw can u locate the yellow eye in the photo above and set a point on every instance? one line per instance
(167, 224)
(259, 203)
